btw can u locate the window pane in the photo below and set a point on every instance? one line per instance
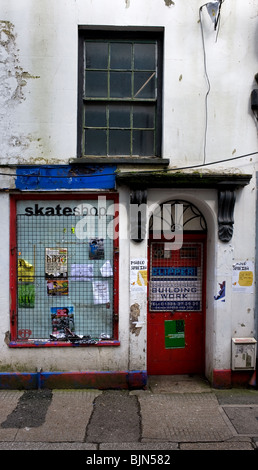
(120, 85)
(119, 142)
(95, 142)
(95, 115)
(120, 56)
(145, 56)
(96, 84)
(119, 116)
(143, 143)
(96, 55)
(144, 85)
(143, 116)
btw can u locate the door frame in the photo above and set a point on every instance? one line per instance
(192, 236)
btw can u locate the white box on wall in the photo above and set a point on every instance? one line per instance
(244, 353)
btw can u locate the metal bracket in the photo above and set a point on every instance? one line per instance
(138, 215)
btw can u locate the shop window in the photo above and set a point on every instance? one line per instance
(119, 94)
(64, 270)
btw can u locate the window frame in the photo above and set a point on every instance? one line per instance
(120, 33)
(13, 281)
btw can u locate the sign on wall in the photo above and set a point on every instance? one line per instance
(243, 277)
(138, 274)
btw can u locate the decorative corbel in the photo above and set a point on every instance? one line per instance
(138, 215)
(226, 204)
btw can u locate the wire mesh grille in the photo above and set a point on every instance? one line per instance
(63, 280)
(176, 277)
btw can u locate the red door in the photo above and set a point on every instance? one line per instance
(176, 307)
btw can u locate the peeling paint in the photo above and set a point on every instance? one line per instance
(168, 3)
(13, 82)
(64, 177)
(7, 337)
(13, 77)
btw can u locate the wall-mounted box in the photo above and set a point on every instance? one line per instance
(244, 353)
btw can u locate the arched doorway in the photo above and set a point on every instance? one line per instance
(176, 290)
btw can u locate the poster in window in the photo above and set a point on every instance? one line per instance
(26, 287)
(82, 272)
(56, 263)
(100, 292)
(96, 248)
(26, 295)
(25, 271)
(61, 318)
(57, 287)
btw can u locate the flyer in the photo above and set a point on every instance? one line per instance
(138, 274)
(100, 292)
(62, 317)
(56, 263)
(57, 287)
(243, 277)
(82, 272)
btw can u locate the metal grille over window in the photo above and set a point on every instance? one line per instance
(65, 270)
(176, 277)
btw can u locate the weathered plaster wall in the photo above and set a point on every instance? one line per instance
(208, 78)
(38, 57)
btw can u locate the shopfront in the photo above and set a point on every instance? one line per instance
(64, 269)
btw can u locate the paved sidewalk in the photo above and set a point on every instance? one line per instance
(172, 414)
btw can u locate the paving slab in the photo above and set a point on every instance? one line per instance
(244, 418)
(178, 384)
(183, 417)
(139, 446)
(221, 446)
(53, 446)
(66, 418)
(8, 402)
(115, 418)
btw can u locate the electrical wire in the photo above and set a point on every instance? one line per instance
(164, 170)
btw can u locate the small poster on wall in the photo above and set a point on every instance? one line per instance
(56, 263)
(57, 287)
(100, 292)
(243, 277)
(138, 274)
(96, 248)
(62, 317)
(174, 334)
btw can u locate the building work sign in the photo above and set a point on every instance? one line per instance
(174, 334)
(181, 293)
